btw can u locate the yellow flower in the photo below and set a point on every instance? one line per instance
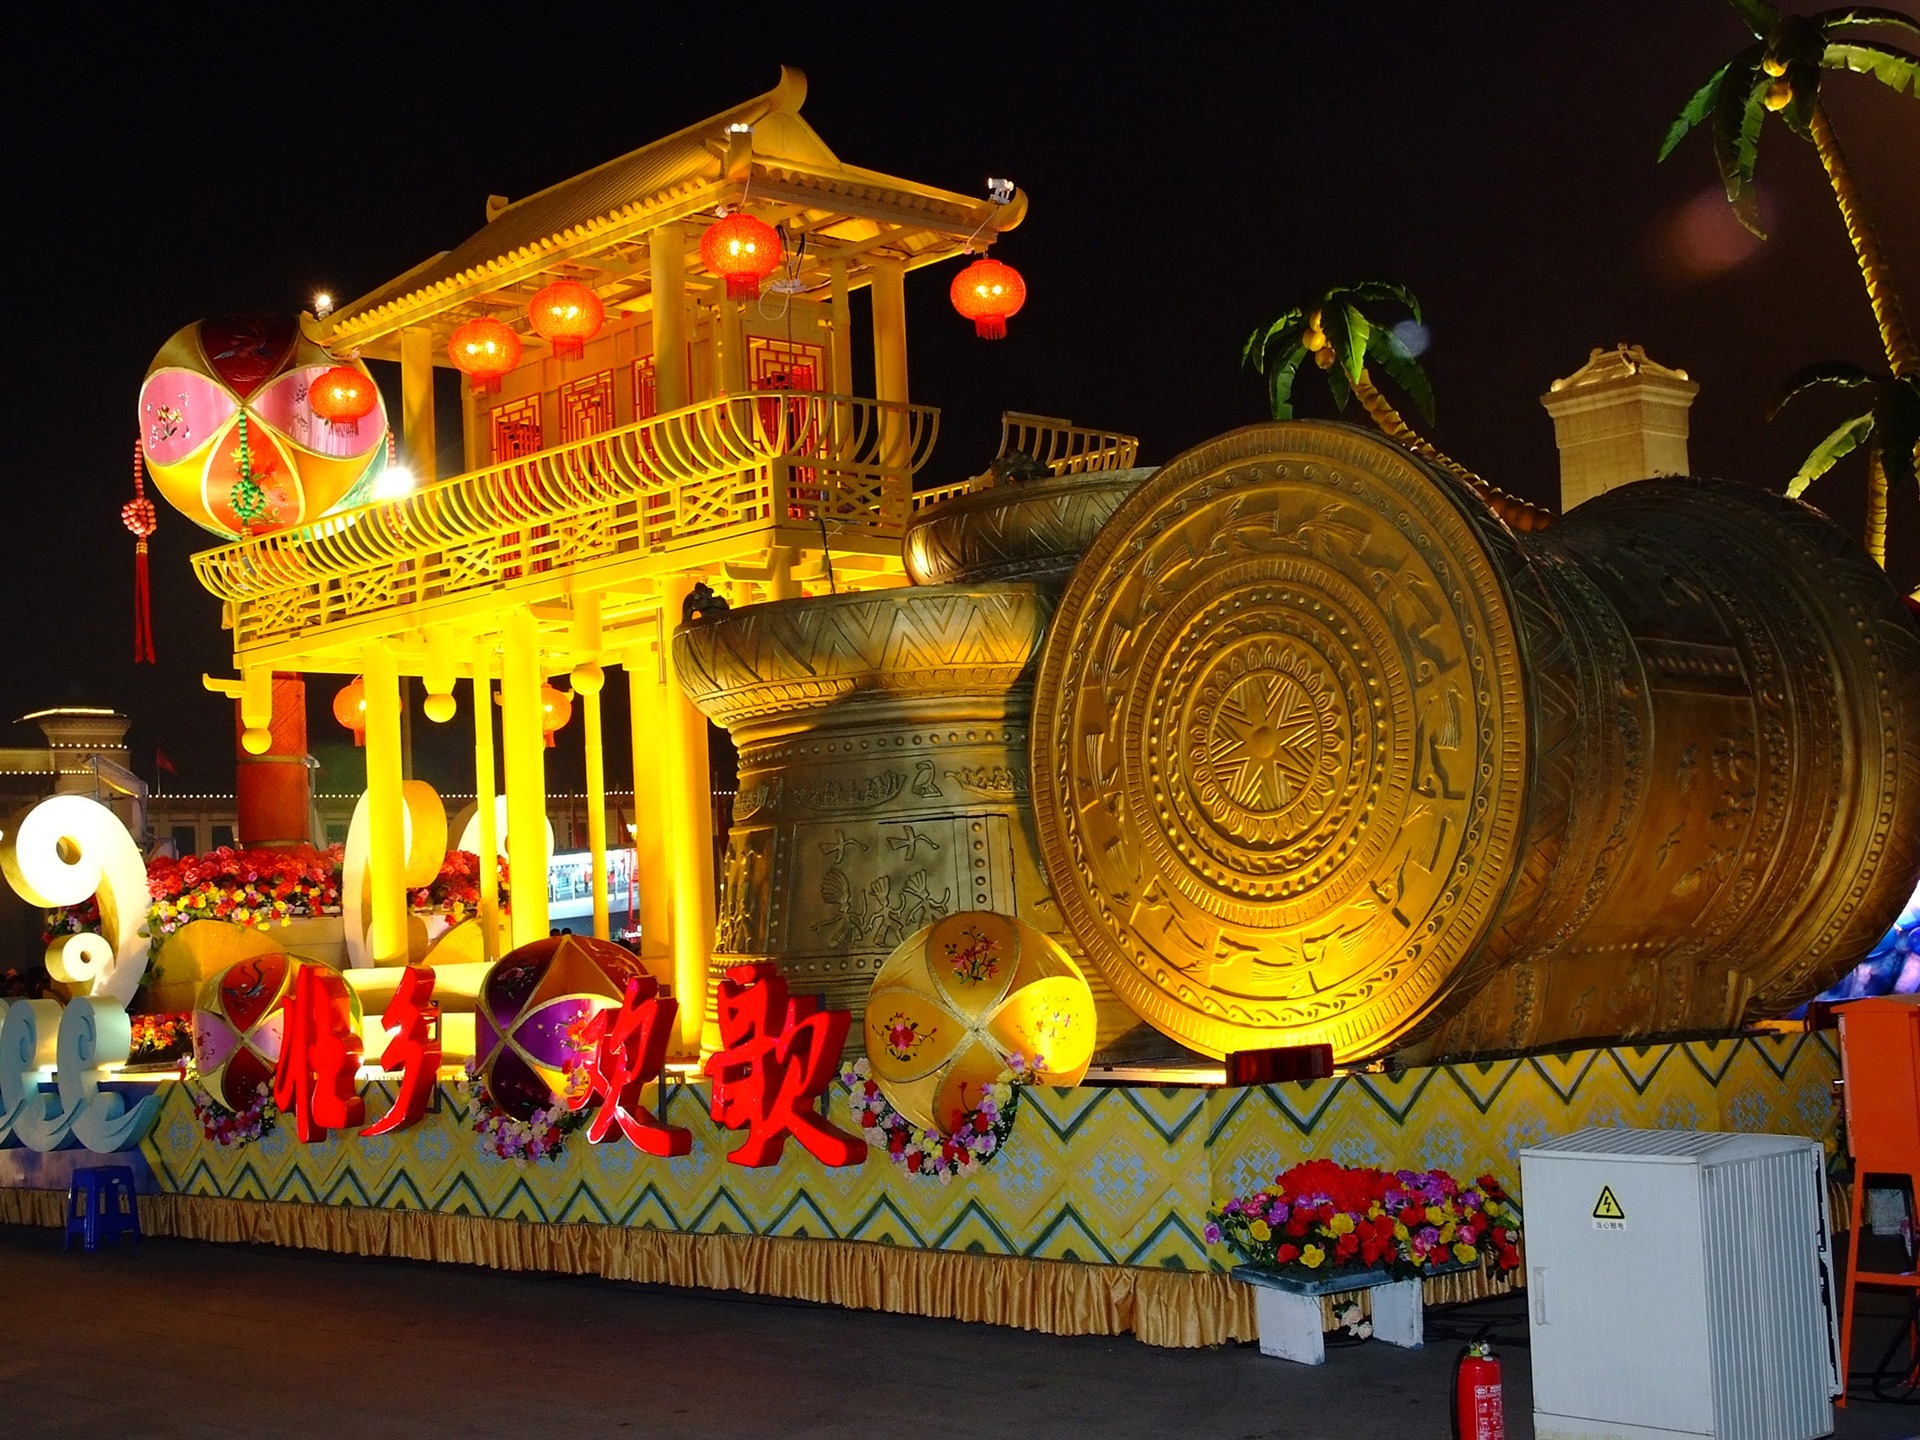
(1312, 1256)
(1260, 1230)
(1435, 1214)
(1341, 1224)
(1446, 1233)
(1399, 1231)
(1465, 1254)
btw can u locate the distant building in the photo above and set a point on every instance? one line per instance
(1619, 418)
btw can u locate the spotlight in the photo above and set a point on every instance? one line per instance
(1001, 191)
(394, 482)
(322, 305)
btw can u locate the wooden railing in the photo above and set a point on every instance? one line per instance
(785, 457)
(1063, 447)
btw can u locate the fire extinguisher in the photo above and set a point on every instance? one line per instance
(1478, 1412)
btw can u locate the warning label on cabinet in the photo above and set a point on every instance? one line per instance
(1608, 1213)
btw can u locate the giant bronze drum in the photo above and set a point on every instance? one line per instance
(1323, 752)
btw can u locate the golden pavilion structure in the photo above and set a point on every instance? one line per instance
(697, 438)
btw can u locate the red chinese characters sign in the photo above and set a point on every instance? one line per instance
(319, 1057)
(630, 1053)
(414, 1050)
(779, 1057)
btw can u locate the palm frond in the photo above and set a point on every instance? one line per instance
(1896, 426)
(1263, 337)
(1846, 437)
(1400, 366)
(1737, 115)
(1280, 382)
(1841, 374)
(1337, 383)
(1760, 17)
(1852, 16)
(1376, 290)
(1693, 112)
(1891, 66)
(1353, 356)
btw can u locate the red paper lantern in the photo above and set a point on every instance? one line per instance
(987, 293)
(350, 708)
(556, 709)
(342, 397)
(566, 314)
(744, 251)
(484, 350)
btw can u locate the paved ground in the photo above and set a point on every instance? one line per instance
(177, 1338)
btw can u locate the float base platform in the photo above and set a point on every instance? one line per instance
(1089, 1221)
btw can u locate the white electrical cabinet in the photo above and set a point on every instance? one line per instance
(1680, 1284)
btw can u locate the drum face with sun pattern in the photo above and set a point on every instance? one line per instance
(216, 372)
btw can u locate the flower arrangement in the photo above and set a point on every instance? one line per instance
(160, 1038)
(1321, 1218)
(976, 1139)
(455, 891)
(247, 887)
(64, 920)
(226, 1127)
(506, 1137)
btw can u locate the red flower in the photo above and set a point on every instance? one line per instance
(1287, 1253)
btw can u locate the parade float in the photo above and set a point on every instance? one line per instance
(1073, 800)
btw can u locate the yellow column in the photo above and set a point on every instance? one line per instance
(386, 809)
(523, 748)
(652, 847)
(485, 809)
(419, 446)
(689, 802)
(667, 248)
(588, 680)
(733, 345)
(890, 355)
(841, 311)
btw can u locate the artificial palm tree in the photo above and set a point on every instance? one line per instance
(1780, 73)
(1888, 425)
(1341, 339)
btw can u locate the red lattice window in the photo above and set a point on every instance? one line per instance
(784, 364)
(516, 428)
(646, 394)
(586, 406)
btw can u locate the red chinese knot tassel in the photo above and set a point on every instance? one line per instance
(139, 516)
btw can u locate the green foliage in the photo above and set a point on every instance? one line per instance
(1889, 421)
(1352, 339)
(1785, 63)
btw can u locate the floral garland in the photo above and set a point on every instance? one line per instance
(507, 1137)
(455, 891)
(159, 1038)
(977, 1139)
(1321, 1218)
(247, 887)
(227, 1128)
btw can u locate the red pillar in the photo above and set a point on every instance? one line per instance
(274, 790)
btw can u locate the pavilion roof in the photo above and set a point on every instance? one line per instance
(593, 227)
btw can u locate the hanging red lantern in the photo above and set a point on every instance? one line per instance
(350, 708)
(987, 293)
(342, 397)
(139, 516)
(566, 314)
(484, 350)
(556, 708)
(743, 251)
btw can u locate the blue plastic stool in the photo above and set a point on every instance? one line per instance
(100, 1206)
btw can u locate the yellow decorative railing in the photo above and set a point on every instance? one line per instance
(779, 457)
(1063, 447)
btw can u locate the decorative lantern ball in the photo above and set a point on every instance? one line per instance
(342, 397)
(743, 251)
(533, 1003)
(484, 350)
(139, 516)
(238, 1022)
(988, 293)
(956, 1002)
(566, 314)
(350, 708)
(235, 429)
(556, 709)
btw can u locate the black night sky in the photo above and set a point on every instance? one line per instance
(1192, 170)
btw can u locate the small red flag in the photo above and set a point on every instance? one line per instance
(161, 762)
